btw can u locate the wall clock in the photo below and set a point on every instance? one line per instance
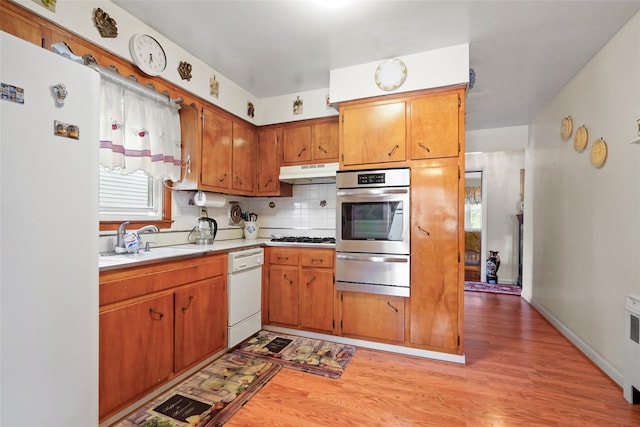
(598, 153)
(580, 139)
(147, 54)
(391, 74)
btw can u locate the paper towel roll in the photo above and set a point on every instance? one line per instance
(209, 200)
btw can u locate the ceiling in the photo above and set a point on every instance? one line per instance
(523, 52)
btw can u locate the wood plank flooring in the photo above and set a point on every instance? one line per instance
(520, 372)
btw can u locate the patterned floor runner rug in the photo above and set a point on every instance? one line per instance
(210, 397)
(317, 357)
(492, 287)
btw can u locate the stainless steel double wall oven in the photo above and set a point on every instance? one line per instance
(372, 231)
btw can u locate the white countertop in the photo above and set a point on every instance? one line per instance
(112, 262)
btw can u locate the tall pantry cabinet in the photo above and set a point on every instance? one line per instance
(423, 130)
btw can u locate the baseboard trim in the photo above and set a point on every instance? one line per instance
(591, 354)
(409, 351)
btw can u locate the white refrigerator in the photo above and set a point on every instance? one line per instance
(48, 239)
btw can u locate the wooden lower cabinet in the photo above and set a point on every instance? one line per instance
(200, 319)
(283, 295)
(156, 321)
(371, 316)
(436, 275)
(316, 299)
(300, 288)
(136, 350)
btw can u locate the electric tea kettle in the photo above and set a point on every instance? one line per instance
(205, 232)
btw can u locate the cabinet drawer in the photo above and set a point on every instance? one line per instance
(319, 258)
(369, 316)
(283, 257)
(119, 285)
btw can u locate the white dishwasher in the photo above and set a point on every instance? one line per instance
(245, 294)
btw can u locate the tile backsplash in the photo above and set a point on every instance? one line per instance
(311, 211)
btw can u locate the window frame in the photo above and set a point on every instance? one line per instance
(163, 223)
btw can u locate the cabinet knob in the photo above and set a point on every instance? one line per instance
(321, 148)
(390, 305)
(424, 147)
(424, 231)
(393, 150)
(223, 178)
(311, 281)
(302, 151)
(153, 312)
(288, 280)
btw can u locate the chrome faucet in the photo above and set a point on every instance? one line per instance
(122, 230)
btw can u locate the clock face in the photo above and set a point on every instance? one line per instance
(148, 54)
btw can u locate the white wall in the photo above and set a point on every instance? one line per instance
(501, 203)
(435, 68)
(582, 224)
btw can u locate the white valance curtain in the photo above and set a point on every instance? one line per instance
(138, 132)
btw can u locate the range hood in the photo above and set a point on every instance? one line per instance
(309, 174)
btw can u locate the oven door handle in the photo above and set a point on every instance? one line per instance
(374, 192)
(372, 258)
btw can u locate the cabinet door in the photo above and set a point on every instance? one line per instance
(434, 126)
(296, 145)
(435, 295)
(201, 321)
(283, 295)
(325, 142)
(268, 165)
(136, 350)
(373, 134)
(216, 150)
(244, 158)
(380, 317)
(17, 24)
(316, 299)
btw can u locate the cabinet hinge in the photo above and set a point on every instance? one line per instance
(458, 256)
(459, 176)
(333, 324)
(458, 340)
(341, 324)
(341, 295)
(458, 146)
(459, 101)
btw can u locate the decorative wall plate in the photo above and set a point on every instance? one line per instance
(598, 153)
(391, 74)
(567, 127)
(580, 139)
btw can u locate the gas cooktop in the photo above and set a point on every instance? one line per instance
(304, 239)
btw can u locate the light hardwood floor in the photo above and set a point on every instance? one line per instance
(520, 372)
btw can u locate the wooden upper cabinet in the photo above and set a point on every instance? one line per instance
(296, 142)
(269, 151)
(216, 151)
(373, 133)
(244, 159)
(435, 125)
(315, 141)
(268, 165)
(15, 21)
(324, 141)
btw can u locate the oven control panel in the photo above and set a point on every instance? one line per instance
(371, 178)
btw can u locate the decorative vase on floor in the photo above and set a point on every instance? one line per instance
(493, 264)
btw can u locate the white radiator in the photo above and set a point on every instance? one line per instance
(632, 350)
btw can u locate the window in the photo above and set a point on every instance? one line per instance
(129, 197)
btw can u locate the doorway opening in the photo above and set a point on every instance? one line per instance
(473, 227)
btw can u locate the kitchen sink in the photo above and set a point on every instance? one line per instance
(110, 259)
